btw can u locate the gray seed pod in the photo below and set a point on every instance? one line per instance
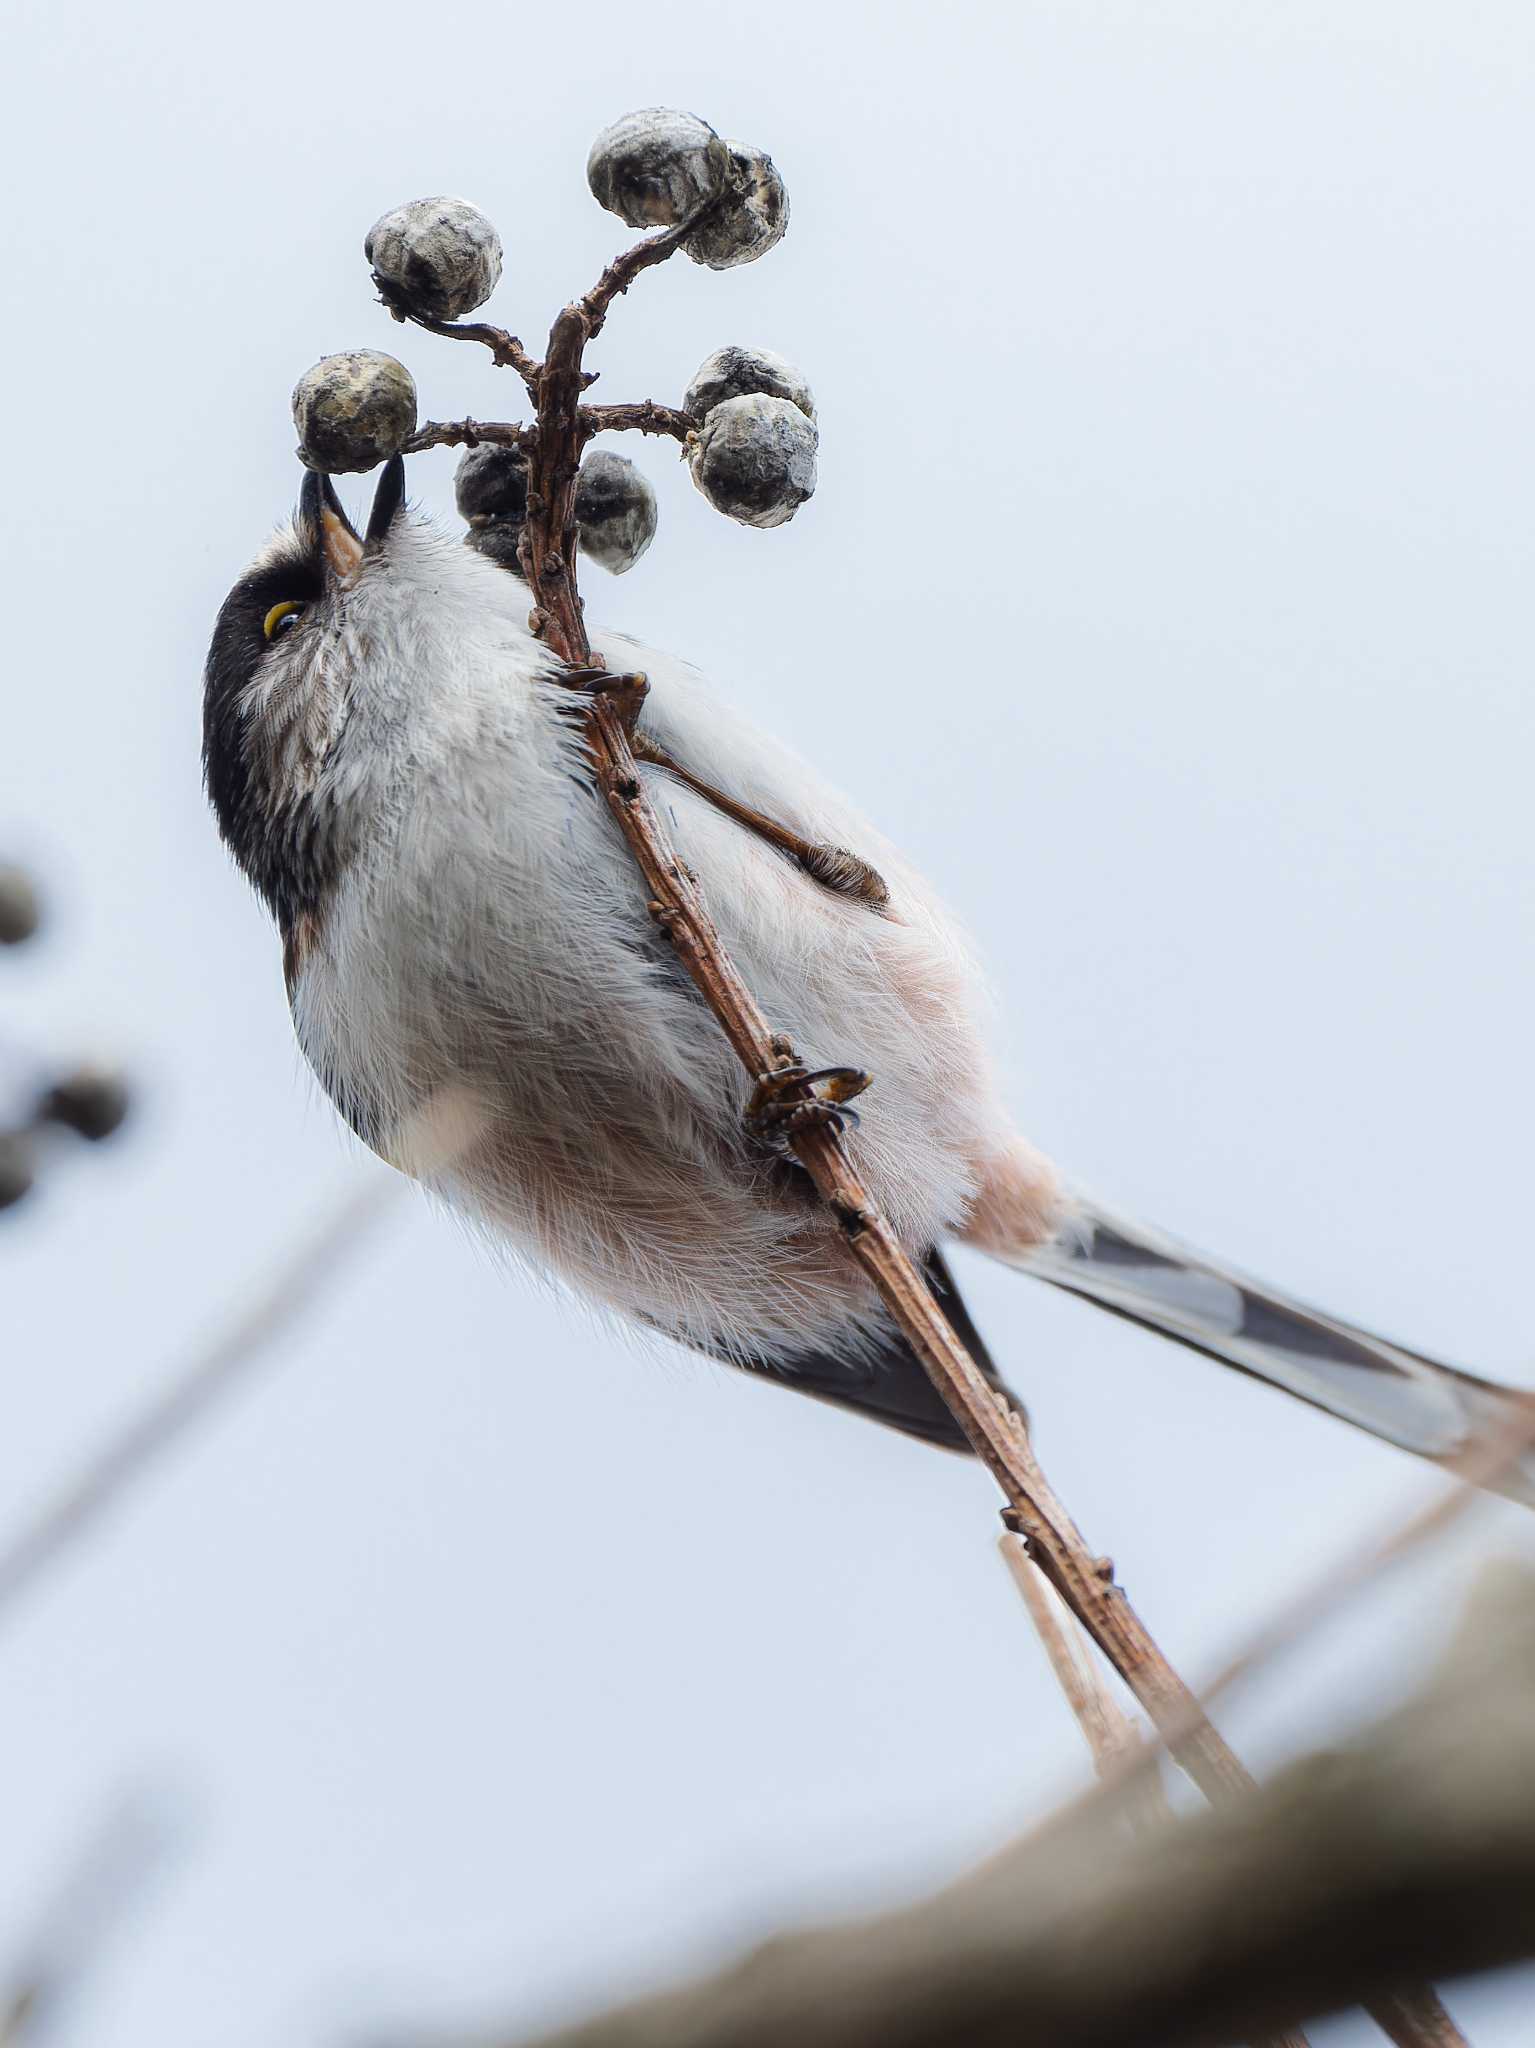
(353, 411)
(440, 257)
(754, 459)
(500, 543)
(490, 488)
(91, 1101)
(491, 482)
(615, 512)
(655, 167)
(736, 372)
(752, 220)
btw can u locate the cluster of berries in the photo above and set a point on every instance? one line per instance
(753, 449)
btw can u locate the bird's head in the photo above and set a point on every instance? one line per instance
(325, 625)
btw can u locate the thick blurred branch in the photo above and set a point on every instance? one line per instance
(1409, 1852)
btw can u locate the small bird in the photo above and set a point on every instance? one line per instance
(398, 765)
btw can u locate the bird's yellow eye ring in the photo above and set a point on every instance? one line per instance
(280, 618)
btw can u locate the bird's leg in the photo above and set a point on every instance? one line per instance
(834, 867)
(791, 1099)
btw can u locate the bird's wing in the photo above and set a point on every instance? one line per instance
(889, 1385)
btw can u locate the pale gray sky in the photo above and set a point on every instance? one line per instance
(500, 1667)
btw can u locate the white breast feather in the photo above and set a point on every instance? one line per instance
(490, 943)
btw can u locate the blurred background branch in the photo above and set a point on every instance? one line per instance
(1410, 1851)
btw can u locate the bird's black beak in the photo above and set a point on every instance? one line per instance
(337, 541)
(388, 497)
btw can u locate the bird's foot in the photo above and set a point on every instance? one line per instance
(791, 1100)
(626, 692)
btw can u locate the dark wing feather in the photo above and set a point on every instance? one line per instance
(891, 1386)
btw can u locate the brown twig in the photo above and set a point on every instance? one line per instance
(624, 269)
(999, 1437)
(644, 418)
(1110, 1733)
(506, 350)
(467, 434)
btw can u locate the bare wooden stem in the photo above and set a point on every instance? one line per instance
(506, 350)
(467, 434)
(1109, 1732)
(624, 269)
(644, 418)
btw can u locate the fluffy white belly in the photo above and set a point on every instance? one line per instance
(489, 950)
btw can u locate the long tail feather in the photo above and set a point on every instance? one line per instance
(1400, 1395)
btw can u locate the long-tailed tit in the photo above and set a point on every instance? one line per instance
(395, 764)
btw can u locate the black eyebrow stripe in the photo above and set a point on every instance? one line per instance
(295, 577)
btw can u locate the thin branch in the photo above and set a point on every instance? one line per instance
(467, 434)
(506, 350)
(1342, 1578)
(999, 1437)
(1110, 1733)
(104, 1884)
(624, 269)
(645, 418)
(284, 1296)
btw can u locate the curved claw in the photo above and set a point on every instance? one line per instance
(794, 1099)
(841, 1083)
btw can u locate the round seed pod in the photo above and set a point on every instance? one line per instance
(90, 1101)
(438, 257)
(751, 221)
(736, 372)
(18, 907)
(655, 167)
(754, 459)
(490, 488)
(491, 482)
(615, 512)
(353, 411)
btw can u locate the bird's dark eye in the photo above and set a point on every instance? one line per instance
(280, 618)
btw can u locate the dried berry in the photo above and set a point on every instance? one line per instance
(490, 488)
(615, 512)
(491, 482)
(656, 167)
(437, 257)
(736, 372)
(754, 459)
(750, 221)
(18, 1166)
(18, 907)
(90, 1101)
(353, 411)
